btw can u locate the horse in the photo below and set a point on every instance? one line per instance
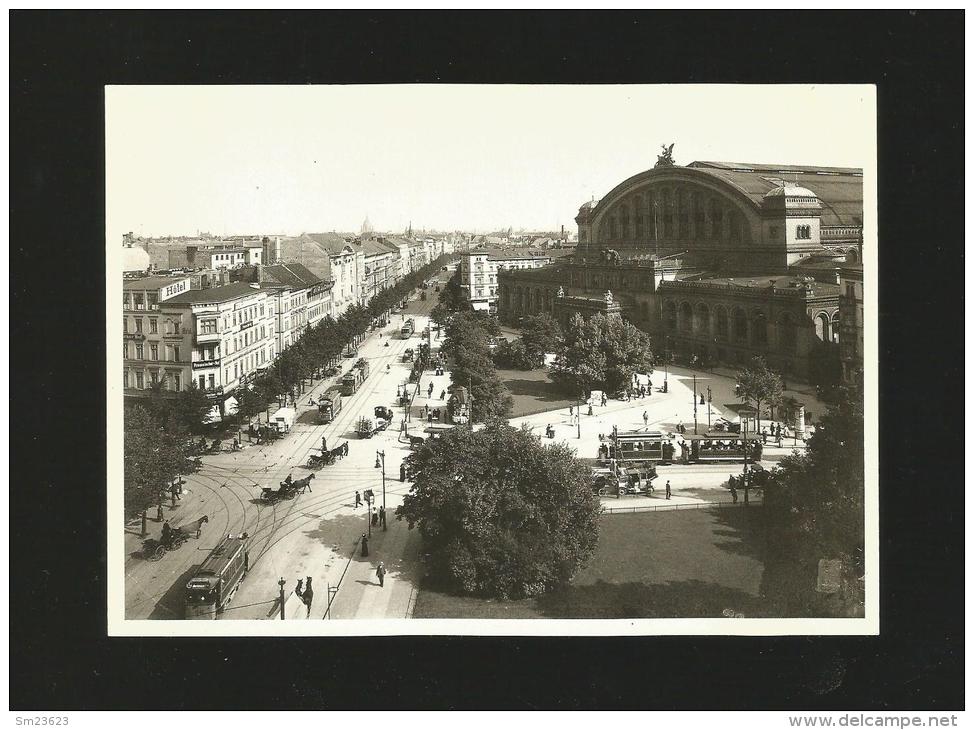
(299, 485)
(199, 525)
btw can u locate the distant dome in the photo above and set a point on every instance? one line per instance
(135, 259)
(790, 191)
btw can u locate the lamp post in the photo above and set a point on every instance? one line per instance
(694, 404)
(382, 455)
(281, 584)
(709, 399)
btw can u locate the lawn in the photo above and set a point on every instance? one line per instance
(693, 564)
(533, 392)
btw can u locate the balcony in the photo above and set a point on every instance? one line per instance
(208, 337)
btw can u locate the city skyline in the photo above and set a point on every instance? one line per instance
(477, 158)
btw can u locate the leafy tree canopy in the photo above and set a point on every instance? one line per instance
(154, 457)
(760, 385)
(814, 509)
(501, 514)
(601, 353)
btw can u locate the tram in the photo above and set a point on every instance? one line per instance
(721, 446)
(212, 587)
(639, 446)
(330, 404)
(407, 329)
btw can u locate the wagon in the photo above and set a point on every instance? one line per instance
(153, 549)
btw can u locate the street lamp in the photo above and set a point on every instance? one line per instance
(694, 404)
(709, 399)
(382, 455)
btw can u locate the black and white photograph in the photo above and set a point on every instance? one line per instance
(521, 378)
(510, 359)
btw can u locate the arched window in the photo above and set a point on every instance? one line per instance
(822, 327)
(716, 219)
(835, 327)
(740, 325)
(701, 320)
(720, 315)
(686, 317)
(669, 315)
(852, 256)
(759, 329)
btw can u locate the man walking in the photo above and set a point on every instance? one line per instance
(645, 419)
(358, 499)
(668, 491)
(380, 573)
(382, 517)
(375, 517)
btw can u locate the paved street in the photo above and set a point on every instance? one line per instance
(312, 535)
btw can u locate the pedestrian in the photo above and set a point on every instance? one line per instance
(173, 496)
(679, 428)
(701, 399)
(442, 395)
(571, 412)
(590, 409)
(324, 445)
(764, 435)
(429, 391)
(645, 419)
(668, 491)
(402, 472)
(358, 499)
(166, 533)
(380, 573)
(375, 517)
(429, 418)
(159, 512)
(345, 449)
(734, 494)
(382, 517)
(402, 426)
(365, 546)
(649, 386)
(605, 399)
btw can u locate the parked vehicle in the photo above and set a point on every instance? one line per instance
(363, 428)
(458, 406)
(213, 586)
(283, 419)
(350, 352)
(383, 412)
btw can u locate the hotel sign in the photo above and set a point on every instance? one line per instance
(200, 364)
(247, 324)
(133, 336)
(171, 290)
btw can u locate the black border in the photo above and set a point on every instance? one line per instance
(60, 658)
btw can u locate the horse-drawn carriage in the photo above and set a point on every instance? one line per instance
(153, 549)
(287, 489)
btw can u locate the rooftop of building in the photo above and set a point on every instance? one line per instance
(331, 242)
(510, 254)
(147, 283)
(778, 283)
(839, 189)
(214, 295)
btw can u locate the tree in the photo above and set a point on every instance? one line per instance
(757, 384)
(453, 297)
(153, 458)
(601, 352)
(814, 510)
(250, 402)
(511, 354)
(500, 513)
(541, 334)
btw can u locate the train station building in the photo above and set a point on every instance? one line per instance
(719, 260)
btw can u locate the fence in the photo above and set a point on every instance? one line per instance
(674, 507)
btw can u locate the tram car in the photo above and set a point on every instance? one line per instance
(721, 446)
(355, 377)
(212, 587)
(330, 404)
(640, 447)
(407, 329)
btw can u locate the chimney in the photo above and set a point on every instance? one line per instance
(277, 249)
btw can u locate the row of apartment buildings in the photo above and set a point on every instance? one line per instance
(218, 329)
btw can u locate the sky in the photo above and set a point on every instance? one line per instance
(291, 159)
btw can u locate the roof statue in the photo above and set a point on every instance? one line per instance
(608, 297)
(561, 292)
(665, 159)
